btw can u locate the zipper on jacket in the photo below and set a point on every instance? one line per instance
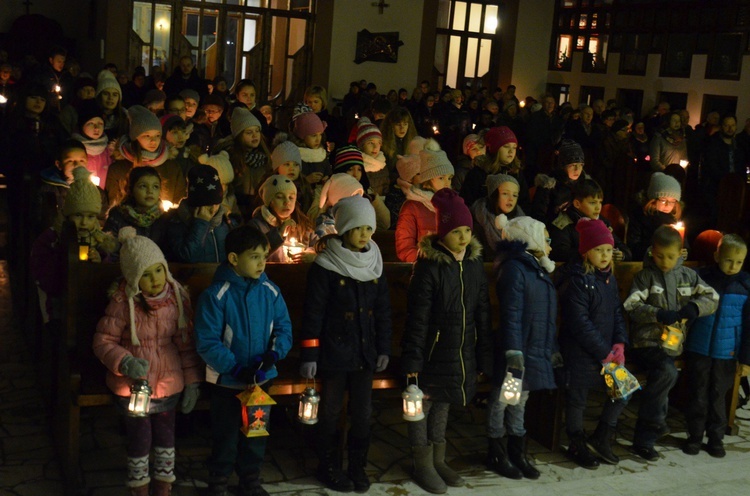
(216, 247)
(437, 338)
(463, 333)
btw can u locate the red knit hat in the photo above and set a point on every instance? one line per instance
(452, 212)
(592, 233)
(497, 137)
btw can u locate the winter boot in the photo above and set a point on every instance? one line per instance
(497, 459)
(517, 456)
(250, 485)
(358, 448)
(446, 473)
(330, 473)
(601, 443)
(141, 490)
(425, 474)
(579, 452)
(161, 488)
(218, 485)
(138, 479)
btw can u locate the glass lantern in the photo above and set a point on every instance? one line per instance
(412, 398)
(84, 244)
(292, 248)
(309, 401)
(510, 392)
(140, 398)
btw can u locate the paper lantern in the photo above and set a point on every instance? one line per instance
(256, 411)
(620, 382)
(510, 392)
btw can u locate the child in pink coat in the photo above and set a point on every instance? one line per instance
(147, 333)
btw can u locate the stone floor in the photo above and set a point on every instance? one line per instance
(28, 464)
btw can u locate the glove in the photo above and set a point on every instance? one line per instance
(745, 370)
(266, 361)
(190, 397)
(609, 358)
(514, 359)
(557, 360)
(689, 311)
(382, 363)
(308, 369)
(246, 374)
(133, 367)
(618, 350)
(667, 317)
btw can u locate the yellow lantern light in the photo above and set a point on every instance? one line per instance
(140, 399)
(256, 411)
(510, 392)
(672, 338)
(84, 244)
(412, 398)
(309, 401)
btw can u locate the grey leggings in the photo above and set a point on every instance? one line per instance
(432, 427)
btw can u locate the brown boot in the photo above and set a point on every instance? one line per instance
(139, 490)
(161, 488)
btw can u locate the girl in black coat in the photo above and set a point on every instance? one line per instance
(593, 334)
(346, 335)
(447, 339)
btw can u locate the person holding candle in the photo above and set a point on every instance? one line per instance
(281, 221)
(664, 293)
(142, 208)
(90, 132)
(242, 329)
(447, 338)
(592, 334)
(659, 205)
(346, 337)
(714, 346)
(147, 332)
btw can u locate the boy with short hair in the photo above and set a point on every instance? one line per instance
(664, 293)
(714, 346)
(232, 322)
(587, 202)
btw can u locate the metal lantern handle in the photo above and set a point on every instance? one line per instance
(307, 381)
(416, 380)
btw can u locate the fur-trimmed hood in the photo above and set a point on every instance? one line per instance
(431, 250)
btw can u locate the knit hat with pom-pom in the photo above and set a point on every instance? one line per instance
(531, 232)
(407, 167)
(285, 151)
(142, 120)
(107, 81)
(592, 233)
(275, 184)
(663, 186)
(494, 181)
(366, 131)
(352, 212)
(497, 137)
(138, 253)
(337, 187)
(433, 164)
(308, 123)
(221, 163)
(83, 196)
(242, 119)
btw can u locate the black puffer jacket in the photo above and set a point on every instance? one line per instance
(447, 335)
(641, 229)
(352, 320)
(591, 322)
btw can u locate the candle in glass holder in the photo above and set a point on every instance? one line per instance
(166, 205)
(292, 248)
(84, 243)
(680, 228)
(683, 164)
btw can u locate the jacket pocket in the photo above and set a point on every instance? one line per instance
(437, 338)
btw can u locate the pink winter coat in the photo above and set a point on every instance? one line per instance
(173, 361)
(414, 221)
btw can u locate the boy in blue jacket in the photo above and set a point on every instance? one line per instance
(714, 345)
(232, 323)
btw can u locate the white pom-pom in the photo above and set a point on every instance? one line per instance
(432, 145)
(279, 138)
(126, 233)
(501, 221)
(203, 159)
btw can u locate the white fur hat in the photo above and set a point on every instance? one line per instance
(137, 254)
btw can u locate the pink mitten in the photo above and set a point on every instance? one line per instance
(609, 358)
(618, 350)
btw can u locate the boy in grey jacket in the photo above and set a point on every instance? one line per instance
(664, 293)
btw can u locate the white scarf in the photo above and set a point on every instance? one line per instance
(359, 265)
(374, 164)
(312, 156)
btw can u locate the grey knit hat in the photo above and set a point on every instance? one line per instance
(663, 186)
(352, 212)
(192, 94)
(142, 120)
(433, 164)
(286, 151)
(242, 119)
(495, 180)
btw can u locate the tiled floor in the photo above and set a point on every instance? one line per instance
(28, 465)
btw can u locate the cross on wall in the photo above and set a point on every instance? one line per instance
(381, 5)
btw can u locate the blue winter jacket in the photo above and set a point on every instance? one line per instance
(193, 240)
(237, 320)
(528, 310)
(592, 320)
(726, 333)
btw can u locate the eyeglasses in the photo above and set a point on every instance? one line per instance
(211, 111)
(666, 203)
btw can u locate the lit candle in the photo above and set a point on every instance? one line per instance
(166, 205)
(293, 248)
(683, 163)
(680, 228)
(3, 99)
(435, 130)
(83, 252)
(522, 103)
(95, 179)
(57, 88)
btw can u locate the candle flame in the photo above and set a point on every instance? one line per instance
(522, 103)
(95, 179)
(3, 99)
(166, 205)
(683, 163)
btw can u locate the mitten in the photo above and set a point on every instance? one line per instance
(667, 317)
(689, 311)
(618, 350)
(514, 359)
(190, 397)
(266, 361)
(308, 369)
(557, 360)
(243, 374)
(133, 367)
(609, 358)
(382, 363)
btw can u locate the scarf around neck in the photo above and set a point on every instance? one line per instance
(312, 156)
(374, 164)
(94, 147)
(359, 265)
(152, 159)
(420, 195)
(141, 219)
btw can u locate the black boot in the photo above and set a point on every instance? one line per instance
(250, 485)
(358, 448)
(517, 455)
(579, 452)
(601, 443)
(497, 459)
(217, 485)
(329, 467)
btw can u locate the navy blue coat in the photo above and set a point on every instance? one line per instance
(528, 310)
(592, 320)
(193, 240)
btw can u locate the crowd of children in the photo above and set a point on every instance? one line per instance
(212, 181)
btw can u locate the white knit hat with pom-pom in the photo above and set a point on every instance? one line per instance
(222, 164)
(138, 253)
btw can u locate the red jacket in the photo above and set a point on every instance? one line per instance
(415, 220)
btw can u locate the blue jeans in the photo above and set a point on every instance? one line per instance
(661, 378)
(501, 415)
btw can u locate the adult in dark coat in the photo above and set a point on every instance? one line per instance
(722, 156)
(185, 77)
